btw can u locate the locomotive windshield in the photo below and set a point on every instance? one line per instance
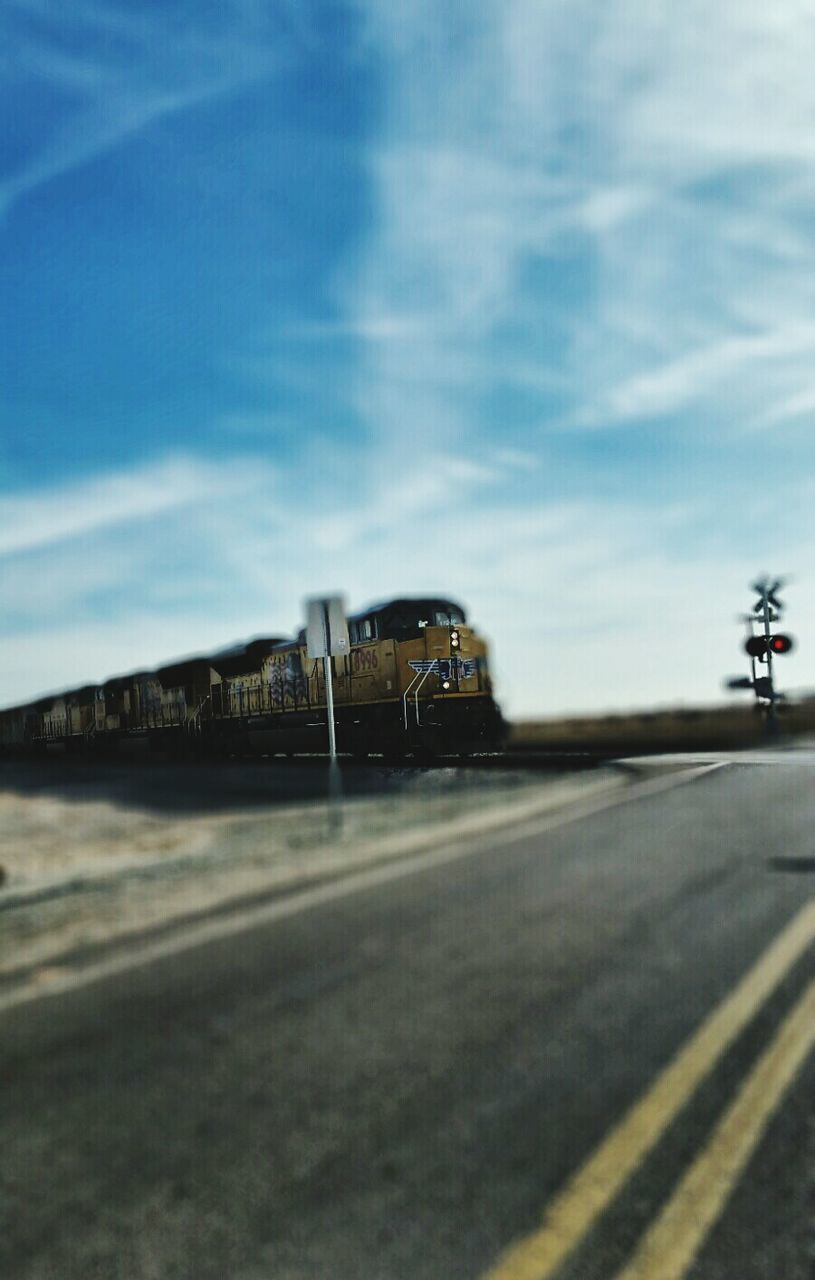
(406, 619)
(448, 618)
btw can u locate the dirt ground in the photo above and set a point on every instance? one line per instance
(91, 853)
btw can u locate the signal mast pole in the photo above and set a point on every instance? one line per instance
(767, 616)
(769, 607)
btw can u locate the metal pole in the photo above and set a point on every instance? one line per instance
(334, 782)
(329, 686)
(771, 714)
(329, 698)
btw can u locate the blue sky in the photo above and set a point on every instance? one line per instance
(509, 301)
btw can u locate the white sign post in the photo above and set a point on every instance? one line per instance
(327, 637)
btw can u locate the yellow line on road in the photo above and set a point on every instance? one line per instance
(669, 1246)
(589, 1192)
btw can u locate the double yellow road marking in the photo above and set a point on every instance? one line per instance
(585, 1197)
(670, 1245)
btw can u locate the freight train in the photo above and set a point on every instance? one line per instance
(415, 682)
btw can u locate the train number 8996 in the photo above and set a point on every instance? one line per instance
(365, 659)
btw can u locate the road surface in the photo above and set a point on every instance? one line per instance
(582, 1051)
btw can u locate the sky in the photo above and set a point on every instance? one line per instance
(511, 302)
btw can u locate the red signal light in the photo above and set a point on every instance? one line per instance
(781, 644)
(760, 646)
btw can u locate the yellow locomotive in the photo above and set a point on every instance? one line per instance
(415, 681)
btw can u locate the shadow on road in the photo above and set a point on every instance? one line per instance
(183, 787)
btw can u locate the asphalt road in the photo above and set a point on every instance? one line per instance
(432, 1078)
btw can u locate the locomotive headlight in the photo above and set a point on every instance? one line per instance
(454, 639)
(445, 684)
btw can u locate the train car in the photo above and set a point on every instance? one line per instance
(182, 691)
(12, 729)
(415, 681)
(240, 687)
(81, 714)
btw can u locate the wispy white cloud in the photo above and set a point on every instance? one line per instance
(668, 148)
(46, 517)
(120, 71)
(792, 408)
(691, 377)
(108, 120)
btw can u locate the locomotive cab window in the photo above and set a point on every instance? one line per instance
(448, 618)
(401, 625)
(362, 629)
(407, 619)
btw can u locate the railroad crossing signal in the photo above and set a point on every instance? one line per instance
(767, 595)
(763, 646)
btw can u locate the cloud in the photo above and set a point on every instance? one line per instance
(794, 407)
(727, 90)
(657, 150)
(93, 130)
(45, 517)
(693, 376)
(120, 71)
